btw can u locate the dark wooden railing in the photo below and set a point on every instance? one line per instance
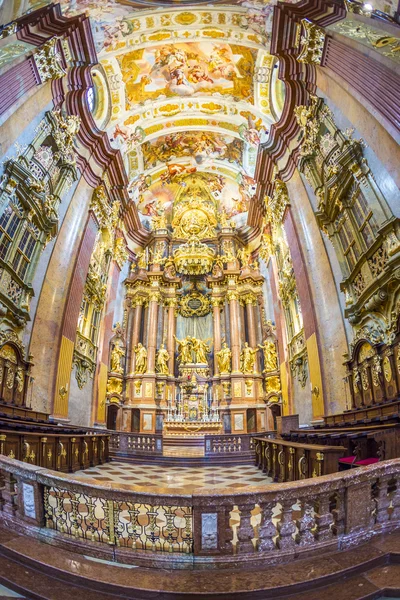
(57, 451)
(376, 413)
(290, 461)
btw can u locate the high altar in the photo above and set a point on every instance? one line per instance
(195, 353)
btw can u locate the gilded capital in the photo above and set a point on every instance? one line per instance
(312, 43)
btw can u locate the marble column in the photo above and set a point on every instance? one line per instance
(154, 300)
(170, 334)
(137, 318)
(234, 313)
(216, 303)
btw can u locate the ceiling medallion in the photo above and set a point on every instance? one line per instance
(194, 304)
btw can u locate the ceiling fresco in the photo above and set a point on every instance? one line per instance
(187, 91)
(191, 69)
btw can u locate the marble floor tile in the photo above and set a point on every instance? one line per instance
(186, 479)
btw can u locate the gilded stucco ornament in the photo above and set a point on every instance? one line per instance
(194, 304)
(120, 252)
(114, 386)
(64, 130)
(311, 43)
(194, 258)
(48, 60)
(309, 124)
(387, 369)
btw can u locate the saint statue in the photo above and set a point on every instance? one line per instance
(184, 350)
(162, 361)
(224, 357)
(141, 359)
(270, 357)
(247, 357)
(141, 260)
(245, 257)
(116, 355)
(201, 350)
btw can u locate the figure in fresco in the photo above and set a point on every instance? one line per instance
(116, 355)
(270, 357)
(141, 359)
(184, 350)
(224, 357)
(247, 358)
(162, 361)
(200, 350)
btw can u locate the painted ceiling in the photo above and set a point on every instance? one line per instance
(185, 89)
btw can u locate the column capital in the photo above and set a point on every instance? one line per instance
(48, 61)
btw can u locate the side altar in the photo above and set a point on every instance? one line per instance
(195, 352)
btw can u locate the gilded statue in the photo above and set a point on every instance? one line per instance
(224, 357)
(116, 355)
(270, 357)
(157, 255)
(141, 359)
(201, 350)
(247, 358)
(245, 257)
(141, 260)
(227, 249)
(218, 267)
(184, 350)
(162, 361)
(159, 222)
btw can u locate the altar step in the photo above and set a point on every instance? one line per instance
(187, 441)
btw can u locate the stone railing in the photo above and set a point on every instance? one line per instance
(290, 461)
(228, 443)
(131, 444)
(273, 523)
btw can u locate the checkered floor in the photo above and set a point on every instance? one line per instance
(178, 479)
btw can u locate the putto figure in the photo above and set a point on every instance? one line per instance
(141, 359)
(247, 358)
(162, 361)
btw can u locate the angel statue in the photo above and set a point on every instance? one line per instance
(201, 350)
(116, 355)
(224, 357)
(247, 358)
(162, 361)
(270, 357)
(141, 359)
(184, 350)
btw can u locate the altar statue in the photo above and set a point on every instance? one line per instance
(247, 357)
(270, 357)
(162, 361)
(141, 359)
(245, 257)
(224, 357)
(116, 355)
(141, 260)
(201, 350)
(184, 350)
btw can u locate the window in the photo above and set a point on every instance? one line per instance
(23, 254)
(94, 326)
(348, 241)
(363, 216)
(90, 98)
(9, 222)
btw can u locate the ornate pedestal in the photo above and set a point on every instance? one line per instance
(194, 428)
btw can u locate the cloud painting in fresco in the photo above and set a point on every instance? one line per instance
(200, 146)
(187, 69)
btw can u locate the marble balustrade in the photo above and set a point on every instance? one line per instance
(127, 444)
(270, 523)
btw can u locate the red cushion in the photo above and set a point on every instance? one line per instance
(367, 461)
(348, 459)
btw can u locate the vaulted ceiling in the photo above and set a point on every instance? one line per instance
(185, 89)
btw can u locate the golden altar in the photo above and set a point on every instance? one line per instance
(192, 428)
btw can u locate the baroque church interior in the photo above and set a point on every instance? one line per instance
(199, 299)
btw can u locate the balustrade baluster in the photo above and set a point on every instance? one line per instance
(245, 532)
(267, 530)
(286, 526)
(9, 494)
(323, 518)
(383, 500)
(306, 524)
